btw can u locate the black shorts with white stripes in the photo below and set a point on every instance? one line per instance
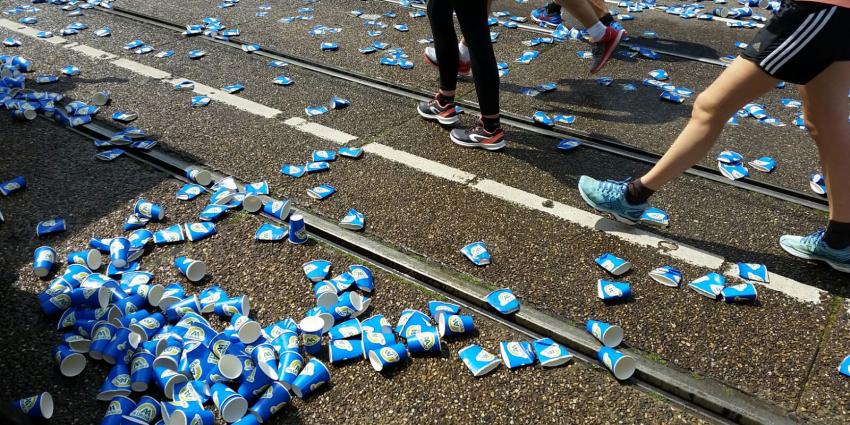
(801, 40)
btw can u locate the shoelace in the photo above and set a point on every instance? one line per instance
(814, 238)
(612, 188)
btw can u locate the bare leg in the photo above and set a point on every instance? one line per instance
(742, 82)
(826, 109)
(599, 7)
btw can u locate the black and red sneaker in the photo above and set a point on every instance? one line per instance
(604, 48)
(433, 110)
(479, 137)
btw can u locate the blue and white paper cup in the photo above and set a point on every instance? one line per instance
(297, 231)
(504, 301)
(377, 323)
(90, 258)
(266, 360)
(118, 407)
(229, 403)
(477, 360)
(119, 252)
(118, 348)
(169, 356)
(43, 260)
(314, 375)
(550, 353)
(609, 335)
(516, 354)
(347, 329)
(148, 210)
(362, 277)
(289, 366)
(613, 264)
(608, 290)
(387, 357)
(439, 307)
(116, 383)
(844, 366)
(710, 285)
(754, 272)
(742, 292)
(312, 329)
(209, 296)
(667, 276)
(37, 407)
(621, 365)
(101, 336)
(253, 381)
(342, 350)
(143, 330)
(141, 371)
(146, 411)
(172, 294)
(286, 341)
(275, 397)
(231, 306)
(376, 340)
(97, 297)
(194, 270)
(70, 362)
(316, 270)
(166, 379)
(424, 343)
(455, 324)
(248, 331)
(192, 417)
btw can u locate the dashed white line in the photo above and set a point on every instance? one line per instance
(141, 69)
(422, 164)
(237, 102)
(91, 51)
(320, 131)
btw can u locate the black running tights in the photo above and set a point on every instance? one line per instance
(472, 17)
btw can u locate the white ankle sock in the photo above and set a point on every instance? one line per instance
(464, 52)
(596, 32)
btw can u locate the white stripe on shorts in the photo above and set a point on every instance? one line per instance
(804, 43)
(805, 26)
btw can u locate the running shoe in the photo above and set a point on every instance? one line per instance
(542, 16)
(812, 247)
(610, 196)
(604, 48)
(432, 110)
(479, 137)
(464, 69)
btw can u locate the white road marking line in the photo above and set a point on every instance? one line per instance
(29, 32)
(141, 69)
(320, 131)
(91, 51)
(422, 164)
(589, 220)
(230, 99)
(634, 235)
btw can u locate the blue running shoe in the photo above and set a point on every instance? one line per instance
(610, 196)
(542, 16)
(812, 247)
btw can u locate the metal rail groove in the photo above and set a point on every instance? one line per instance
(709, 399)
(590, 140)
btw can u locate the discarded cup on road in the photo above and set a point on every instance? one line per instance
(141, 371)
(314, 375)
(119, 251)
(117, 383)
(621, 365)
(375, 340)
(710, 285)
(149, 210)
(297, 231)
(477, 253)
(387, 357)
(436, 308)
(177, 310)
(613, 264)
(516, 354)
(451, 325)
(478, 361)
(753, 272)
(504, 301)
(608, 290)
(353, 220)
(609, 335)
(44, 259)
(90, 258)
(70, 362)
(229, 403)
(667, 276)
(844, 366)
(289, 366)
(271, 401)
(37, 407)
(424, 343)
(46, 227)
(316, 270)
(550, 353)
(118, 407)
(312, 328)
(740, 292)
(199, 231)
(265, 359)
(342, 350)
(346, 329)
(194, 270)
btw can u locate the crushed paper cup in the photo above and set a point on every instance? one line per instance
(321, 191)
(550, 353)
(504, 301)
(478, 361)
(764, 164)
(656, 217)
(353, 220)
(613, 264)
(710, 285)
(608, 290)
(733, 171)
(567, 145)
(609, 335)
(743, 292)
(316, 270)
(477, 253)
(844, 366)
(753, 272)
(667, 276)
(817, 183)
(516, 354)
(436, 308)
